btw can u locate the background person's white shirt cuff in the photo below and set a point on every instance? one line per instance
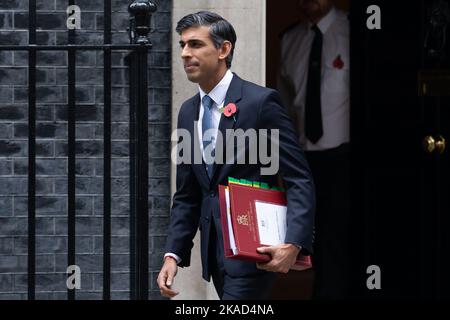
(173, 255)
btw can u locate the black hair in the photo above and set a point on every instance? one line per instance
(219, 29)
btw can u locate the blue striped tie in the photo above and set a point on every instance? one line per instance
(207, 123)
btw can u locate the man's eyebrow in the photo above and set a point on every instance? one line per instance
(181, 42)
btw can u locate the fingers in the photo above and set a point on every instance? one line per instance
(165, 281)
(167, 292)
(278, 263)
(273, 266)
(265, 250)
(268, 266)
(169, 280)
(262, 266)
(164, 288)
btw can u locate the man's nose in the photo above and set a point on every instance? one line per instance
(185, 52)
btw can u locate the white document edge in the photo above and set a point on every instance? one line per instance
(275, 215)
(230, 224)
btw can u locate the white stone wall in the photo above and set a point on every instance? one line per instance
(249, 20)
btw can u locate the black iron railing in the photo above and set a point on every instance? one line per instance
(140, 18)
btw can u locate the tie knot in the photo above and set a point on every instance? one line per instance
(316, 29)
(207, 102)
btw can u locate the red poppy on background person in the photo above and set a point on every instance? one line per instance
(338, 63)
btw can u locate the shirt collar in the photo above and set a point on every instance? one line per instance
(327, 20)
(220, 90)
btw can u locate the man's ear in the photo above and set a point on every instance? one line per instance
(225, 49)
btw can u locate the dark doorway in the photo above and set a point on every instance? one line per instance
(400, 104)
(400, 195)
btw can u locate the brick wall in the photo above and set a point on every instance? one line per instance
(51, 163)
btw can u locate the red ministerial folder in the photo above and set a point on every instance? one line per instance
(253, 217)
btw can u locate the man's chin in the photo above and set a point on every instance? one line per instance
(192, 77)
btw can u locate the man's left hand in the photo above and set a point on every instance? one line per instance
(283, 257)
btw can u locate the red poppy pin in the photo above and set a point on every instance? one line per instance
(338, 63)
(230, 110)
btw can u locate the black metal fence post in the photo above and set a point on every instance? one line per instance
(141, 12)
(32, 152)
(107, 152)
(71, 148)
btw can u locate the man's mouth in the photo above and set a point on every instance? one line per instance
(190, 66)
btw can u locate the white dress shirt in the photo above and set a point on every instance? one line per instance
(335, 87)
(218, 96)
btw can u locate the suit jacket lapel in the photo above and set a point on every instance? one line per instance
(233, 95)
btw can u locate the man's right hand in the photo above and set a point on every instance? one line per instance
(166, 277)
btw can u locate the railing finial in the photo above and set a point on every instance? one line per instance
(141, 13)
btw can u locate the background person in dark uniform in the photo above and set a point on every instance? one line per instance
(314, 83)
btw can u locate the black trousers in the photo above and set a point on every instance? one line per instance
(255, 286)
(331, 259)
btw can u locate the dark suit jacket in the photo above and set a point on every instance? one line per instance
(195, 201)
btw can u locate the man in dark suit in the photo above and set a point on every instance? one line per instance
(207, 42)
